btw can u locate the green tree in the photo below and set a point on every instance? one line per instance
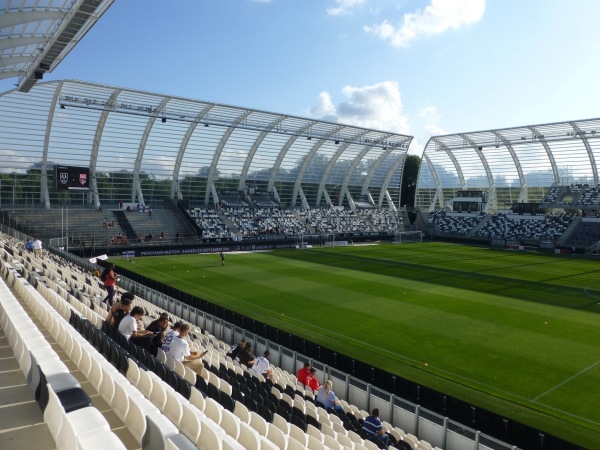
(408, 185)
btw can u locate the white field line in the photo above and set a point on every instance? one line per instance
(578, 374)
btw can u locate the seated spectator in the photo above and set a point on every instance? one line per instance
(179, 349)
(129, 328)
(262, 366)
(159, 327)
(311, 380)
(326, 397)
(374, 428)
(245, 356)
(170, 335)
(119, 310)
(235, 349)
(303, 373)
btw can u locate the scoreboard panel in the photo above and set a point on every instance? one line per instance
(71, 178)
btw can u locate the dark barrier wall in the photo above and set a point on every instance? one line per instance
(490, 423)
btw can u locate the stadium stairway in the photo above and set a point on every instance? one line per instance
(562, 240)
(479, 226)
(228, 222)
(124, 224)
(21, 422)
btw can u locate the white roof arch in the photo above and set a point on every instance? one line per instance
(510, 164)
(147, 147)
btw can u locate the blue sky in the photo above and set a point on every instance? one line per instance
(421, 67)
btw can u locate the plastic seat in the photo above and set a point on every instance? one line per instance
(370, 445)
(314, 443)
(281, 423)
(189, 375)
(209, 438)
(179, 442)
(161, 356)
(190, 422)
(107, 387)
(131, 410)
(170, 362)
(315, 432)
(173, 407)
(133, 372)
(230, 444)
(120, 401)
(241, 412)
(179, 368)
(85, 424)
(214, 392)
(248, 437)
(258, 423)
(197, 399)
(343, 440)
(298, 434)
(185, 389)
(266, 444)
(212, 410)
(145, 383)
(230, 423)
(158, 429)
(158, 396)
(293, 444)
(275, 435)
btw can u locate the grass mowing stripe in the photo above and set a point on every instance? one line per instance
(477, 316)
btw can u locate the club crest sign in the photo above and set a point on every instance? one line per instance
(72, 178)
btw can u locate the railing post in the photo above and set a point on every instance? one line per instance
(445, 439)
(417, 414)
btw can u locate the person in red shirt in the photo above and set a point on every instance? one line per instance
(303, 373)
(109, 278)
(311, 380)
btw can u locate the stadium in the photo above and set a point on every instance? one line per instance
(466, 316)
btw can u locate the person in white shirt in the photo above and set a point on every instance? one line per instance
(37, 246)
(261, 366)
(128, 327)
(179, 350)
(169, 336)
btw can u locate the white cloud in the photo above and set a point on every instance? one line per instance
(431, 116)
(434, 130)
(324, 108)
(429, 113)
(378, 106)
(436, 18)
(345, 6)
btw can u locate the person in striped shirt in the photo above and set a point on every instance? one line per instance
(374, 428)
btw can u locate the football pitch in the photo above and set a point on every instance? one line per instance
(514, 333)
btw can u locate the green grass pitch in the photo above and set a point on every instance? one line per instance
(515, 333)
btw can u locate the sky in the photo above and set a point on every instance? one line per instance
(418, 67)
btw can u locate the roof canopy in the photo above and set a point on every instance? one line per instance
(146, 147)
(37, 34)
(516, 163)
